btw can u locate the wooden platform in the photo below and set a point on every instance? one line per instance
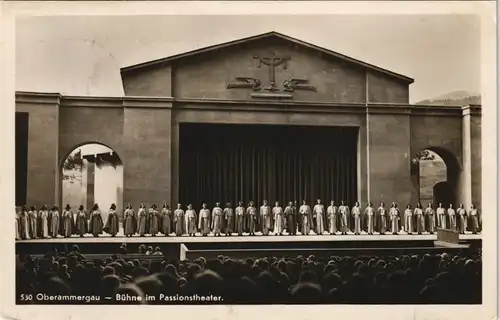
(402, 236)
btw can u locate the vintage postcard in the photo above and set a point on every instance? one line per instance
(337, 159)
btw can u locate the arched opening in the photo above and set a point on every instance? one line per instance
(92, 173)
(438, 172)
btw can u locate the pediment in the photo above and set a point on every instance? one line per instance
(267, 66)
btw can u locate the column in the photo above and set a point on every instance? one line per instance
(466, 183)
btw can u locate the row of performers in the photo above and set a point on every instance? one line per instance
(44, 223)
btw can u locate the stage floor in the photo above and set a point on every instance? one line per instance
(402, 236)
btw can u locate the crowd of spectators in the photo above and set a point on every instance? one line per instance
(400, 279)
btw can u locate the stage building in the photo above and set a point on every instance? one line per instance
(265, 117)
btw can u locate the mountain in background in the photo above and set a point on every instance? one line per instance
(454, 98)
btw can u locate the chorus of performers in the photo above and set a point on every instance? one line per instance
(292, 219)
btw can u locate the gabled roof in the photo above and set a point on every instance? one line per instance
(272, 34)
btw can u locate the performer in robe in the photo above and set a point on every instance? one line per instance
(452, 218)
(265, 218)
(55, 219)
(475, 219)
(154, 220)
(252, 217)
(419, 218)
(190, 219)
(394, 216)
(305, 218)
(18, 224)
(24, 223)
(430, 217)
(33, 223)
(332, 212)
(203, 221)
(96, 225)
(408, 219)
(291, 218)
(81, 224)
(142, 220)
(441, 216)
(370, 218)
(44, 222)
(217, 219)
(229, 219)
(179, 223)
(319, 217)
(356, 213)
(68, 222)
(129, 222)
(279, 219)
(112, 225)
(344, 217)
(240, 218)
(462, 213)
(382, 219)
(166, 220)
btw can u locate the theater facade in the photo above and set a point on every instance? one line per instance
(265, 117)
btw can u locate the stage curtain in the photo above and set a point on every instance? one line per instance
(220, 163)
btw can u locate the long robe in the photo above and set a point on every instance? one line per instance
(382, 220)
(452, 218)
(475, 220)
(332, 212)
(344, 218)
(319, 218)
(251, 219)
(370, 220)
(179, 222)
(33, 224)
(142, 221)
(129, 222)
(154, 221)
(291, 219)
(239, 222)
(408, 222)
(265, 218)
(190, 220)
(81, 224)
(96, 225)
(112, 225)
(462, 213)
(279, 220)
(68, 223)
(203, 222)
(44, 223)
(441, 216)
(229, 220)
(217, 220)
(54, 223)
(356, 214)
(166, 221)
(394, 216)
(419, 220)
(305, 219)
(430, 217)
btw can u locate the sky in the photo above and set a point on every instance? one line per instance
(82, 55)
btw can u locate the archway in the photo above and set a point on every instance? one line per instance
(92, 173)
(438, 172)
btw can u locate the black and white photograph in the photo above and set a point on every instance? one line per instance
(264, 159)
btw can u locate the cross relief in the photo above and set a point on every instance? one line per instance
(270, 88)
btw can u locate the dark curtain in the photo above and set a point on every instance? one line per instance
(21, 156)
(277, 163)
